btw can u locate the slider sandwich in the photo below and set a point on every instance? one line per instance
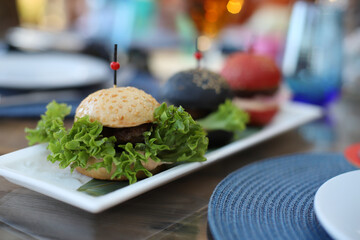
(255, 81)
(207, 97)
(120, 133)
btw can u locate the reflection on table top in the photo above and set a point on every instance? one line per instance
(177, 210)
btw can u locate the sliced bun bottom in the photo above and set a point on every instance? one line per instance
(103, 174)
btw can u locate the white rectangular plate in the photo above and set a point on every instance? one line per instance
(28, 167)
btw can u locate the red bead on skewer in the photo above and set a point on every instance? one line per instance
(115, 65)
(198, 55)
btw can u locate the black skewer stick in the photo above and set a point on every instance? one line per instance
(196, 44)
(115, 65)
(197, 54)
(115, 60)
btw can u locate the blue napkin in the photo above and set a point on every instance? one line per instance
(36, 108)
(32, 110)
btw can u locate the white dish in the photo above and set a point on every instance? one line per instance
(51, 70)
(337, 206)
(26, 167)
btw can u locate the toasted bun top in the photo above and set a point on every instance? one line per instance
(246, 71)
(118, 107)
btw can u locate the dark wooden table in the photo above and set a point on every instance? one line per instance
(177, 210)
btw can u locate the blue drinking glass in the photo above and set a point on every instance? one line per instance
(313, 57)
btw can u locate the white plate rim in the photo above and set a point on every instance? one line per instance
(299, 113)
(97, 71)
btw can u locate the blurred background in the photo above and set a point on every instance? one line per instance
(61, 49)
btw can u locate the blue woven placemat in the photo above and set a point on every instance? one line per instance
(273, 198)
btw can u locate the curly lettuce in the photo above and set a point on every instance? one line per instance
(228, 117)
(51, 122)
(175, 137)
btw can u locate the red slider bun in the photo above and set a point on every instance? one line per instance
(254, 81)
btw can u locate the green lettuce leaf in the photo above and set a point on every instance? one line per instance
(228, 117)
(74, 147)
(175, 137)
(51, 123)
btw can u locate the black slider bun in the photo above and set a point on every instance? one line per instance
(199, 91)
(124, 112)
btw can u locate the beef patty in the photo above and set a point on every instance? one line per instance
(253, 93)
(129, 134)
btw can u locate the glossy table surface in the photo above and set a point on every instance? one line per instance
(177, 210)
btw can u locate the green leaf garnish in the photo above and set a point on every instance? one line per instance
(228, 117)
(96, 187)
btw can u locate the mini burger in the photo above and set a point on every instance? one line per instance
(204, 95)
(120, 134)
(125, 113)
(255, 81)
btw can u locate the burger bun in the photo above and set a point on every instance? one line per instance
(118, 107)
